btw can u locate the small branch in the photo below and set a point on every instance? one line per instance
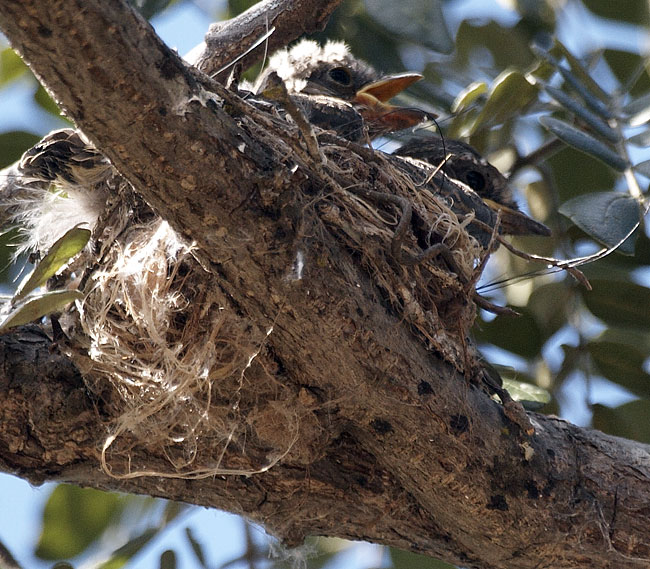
(568, 265)
(537, 156)
(397, 251)
(227, 40)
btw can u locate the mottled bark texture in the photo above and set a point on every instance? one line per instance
(396, 446)
(284, 20)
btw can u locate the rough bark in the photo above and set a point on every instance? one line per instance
(289, 19)
(412, 455)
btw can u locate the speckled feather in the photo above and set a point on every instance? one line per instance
(306, 68)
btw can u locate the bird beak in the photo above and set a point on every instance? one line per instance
(374, 108)
(517, 223)
(387, 87)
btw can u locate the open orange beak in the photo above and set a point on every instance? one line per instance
(386, 88)
(374, 108)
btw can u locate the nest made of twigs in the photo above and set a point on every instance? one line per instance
(171, 364)
(169, 358)
(431, 293)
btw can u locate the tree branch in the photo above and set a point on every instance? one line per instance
(291, 18)
(394, 445)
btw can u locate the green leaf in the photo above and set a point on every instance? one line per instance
(638, 110)
(461, 123)
(468, 95)
(643, 168)
(608, 217)
(641, 139)
(122, 555)
(533, 396)
(584, 142)
(542, 71)
(578, 78)
(629, 420)
(550, 304)
(37, 307)
(421, 22)
(46, 102)
(630, 70)
(583, 83)
(638, 338)
(11, 66)
(507, 45)
(619, 303)
(511, 92)
(173, 510)
(197, 548)
(622, 364)
(407, 560)
(520, 335)
(59, 254)
(631, 12)
(575, 172)
(168, 559)
(579, 110)
(74, 518)
(13, 144)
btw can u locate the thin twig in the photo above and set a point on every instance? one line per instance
(566, 265)
(228, 40)
(278, 92)
(402, 257)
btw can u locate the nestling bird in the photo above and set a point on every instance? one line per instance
(68, 156)
(61, 182)
(462, 162)
(338, 91)
(329, 77)
(334, 86)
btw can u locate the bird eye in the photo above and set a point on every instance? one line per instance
(475, 180)
(340, 75)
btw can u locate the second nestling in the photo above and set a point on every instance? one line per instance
(342, 93)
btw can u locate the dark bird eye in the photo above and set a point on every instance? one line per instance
(340, 75)
(475, 180)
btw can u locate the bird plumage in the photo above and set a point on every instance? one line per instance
(312, 69)
(462, 162)
(330, 76)
(334, 86)
(338, 90)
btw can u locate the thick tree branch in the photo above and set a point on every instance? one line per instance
(404, 450)
(581, 496)
(291, 18)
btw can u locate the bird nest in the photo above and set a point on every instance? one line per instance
(412, 238)
(184, 378)
(170, 363)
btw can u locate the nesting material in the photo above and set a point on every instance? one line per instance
(178, 372)
(168, 361)
(60, 183)
(430, 295)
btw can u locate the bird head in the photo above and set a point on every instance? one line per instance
(463, 163)
(332, 71)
